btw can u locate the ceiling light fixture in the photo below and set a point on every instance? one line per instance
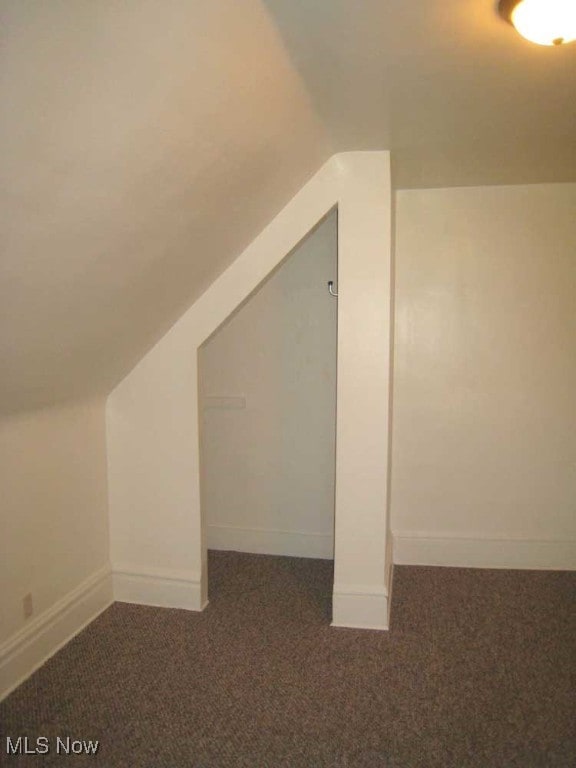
(546, 22)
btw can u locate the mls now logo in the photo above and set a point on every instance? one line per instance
(23, 745)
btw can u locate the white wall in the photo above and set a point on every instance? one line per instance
(268, 467)
(484, 447)
(53, 530)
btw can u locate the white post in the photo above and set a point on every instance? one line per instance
(362, 537)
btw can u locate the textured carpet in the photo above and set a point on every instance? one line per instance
(479, 669)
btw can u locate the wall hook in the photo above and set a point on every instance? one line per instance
(332, 293)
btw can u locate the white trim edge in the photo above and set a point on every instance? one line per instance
(36, 642)
(360, 606)
(162, 588)
(460, 552)
(271, 542)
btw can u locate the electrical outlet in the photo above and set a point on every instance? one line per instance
(27, 605)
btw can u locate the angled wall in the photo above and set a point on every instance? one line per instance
(157, 536)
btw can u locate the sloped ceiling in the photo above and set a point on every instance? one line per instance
(144, 144)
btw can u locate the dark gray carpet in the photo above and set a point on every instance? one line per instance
(479, 670)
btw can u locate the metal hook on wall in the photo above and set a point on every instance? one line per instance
(332, 293)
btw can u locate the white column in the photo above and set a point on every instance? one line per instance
(362, 551)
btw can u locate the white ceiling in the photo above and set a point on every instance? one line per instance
(144, 144)
(456, 94)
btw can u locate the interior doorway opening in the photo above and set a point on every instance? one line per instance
(267, 403)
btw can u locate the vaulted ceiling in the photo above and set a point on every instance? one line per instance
(144, 144)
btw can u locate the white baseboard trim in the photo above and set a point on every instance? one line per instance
(36, 642)
(428, 549)
(360, 607)
(162, 588)
(271, 542)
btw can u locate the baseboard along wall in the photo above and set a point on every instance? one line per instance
(359, 607)
(451, 551)
(158, 587)
(37, 641)
(271, 542)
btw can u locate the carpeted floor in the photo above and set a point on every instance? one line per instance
(479, 669)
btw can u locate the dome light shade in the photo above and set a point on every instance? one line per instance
(546, 22)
